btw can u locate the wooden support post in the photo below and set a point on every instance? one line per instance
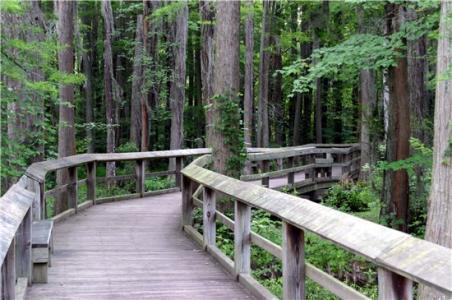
(393, 286)
(187, 201)
(266, 179)
(8, 275)
(291, 175)
(293, 263)
(242, 238)
(179, 164)
(209, 225)
(91, 181)
(72, 188)
(140, 177)
(23, 248)
(36, 208)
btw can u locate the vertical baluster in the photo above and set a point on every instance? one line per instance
(266, 179)
(242, 238)
(290, 175)
(8, 274)
(179, 164)
(209, 225)
(91, 181)
(187, 201)
(293, 263)
(23, 248)
(393, 286)
(140, 176)
(72, 188)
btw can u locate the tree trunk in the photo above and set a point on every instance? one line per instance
(396, 195)
(207, 56)
(264, 61)
(66, 130)
(137, 86)
(177, 90)
(249, 76)
(110, 105)
(439, 217)
(276, 94)
(226, 74)
(147, 8)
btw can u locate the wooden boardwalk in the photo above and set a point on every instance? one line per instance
(132, 249)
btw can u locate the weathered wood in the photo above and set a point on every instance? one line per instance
(393, 286)
(91, 181)
(72, 188)
(242, 238)
(187, 202)
(258, 290)
(290, 175)
(8, 274)
(140, 177)
(21, 288)
(293, 263)
(266, 179)
(209, 217)
(179, 163)
(23, 248)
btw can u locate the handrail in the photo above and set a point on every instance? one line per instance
(399, 256)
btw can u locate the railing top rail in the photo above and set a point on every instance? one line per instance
(14, 204)
(416, 259)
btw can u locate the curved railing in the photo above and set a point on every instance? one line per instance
(400, 258)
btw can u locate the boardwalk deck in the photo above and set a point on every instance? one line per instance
(132, 250)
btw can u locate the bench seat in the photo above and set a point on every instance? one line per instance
(42, 248)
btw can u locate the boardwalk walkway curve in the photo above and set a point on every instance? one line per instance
(136, 249)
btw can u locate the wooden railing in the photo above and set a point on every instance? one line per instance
(25, 202)
(399, 257)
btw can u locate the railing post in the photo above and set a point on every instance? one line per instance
(37, 208)
(91, 181)
(187, 201)
(293, 263)
(242, 238)
(8, 274)
(140, 176)
(23, 248)
(393, 286)
(290, 175)
(209, 225)
(179, 163)
(265, 180)
(72, 188)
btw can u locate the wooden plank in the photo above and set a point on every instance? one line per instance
(21, 288)
(42, 232)
(258, 290)
(225, 261)
(91, 181)
(393, 286)
(293, 263)
(179, 163)
(242, 239)
(140, 178)
(23, 248)
(209, 224)
(265, 180)
(195, 235)
(187, 202)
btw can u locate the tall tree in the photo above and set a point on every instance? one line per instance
(226, 77)
(207, 13)
(439, 218)
(66, 128)
(137, 86)
(249, 75)
(109, 84)
(147, 9)
(177, 90)
(396, 191)
(264, 70)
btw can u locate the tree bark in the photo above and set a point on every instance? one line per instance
(66, 130)
(439, 216)
(109, 82)
(277, 94)
(249, 76)
(207, 57)
(396, 191)
(177, 90)
(226, 74)
(264, 60)
(137, 86)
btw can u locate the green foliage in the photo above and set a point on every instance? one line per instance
(350, 197)
(159, 183)
(228, 124)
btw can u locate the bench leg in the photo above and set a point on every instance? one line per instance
(40, 272)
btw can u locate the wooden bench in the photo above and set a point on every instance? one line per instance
(42, 248)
